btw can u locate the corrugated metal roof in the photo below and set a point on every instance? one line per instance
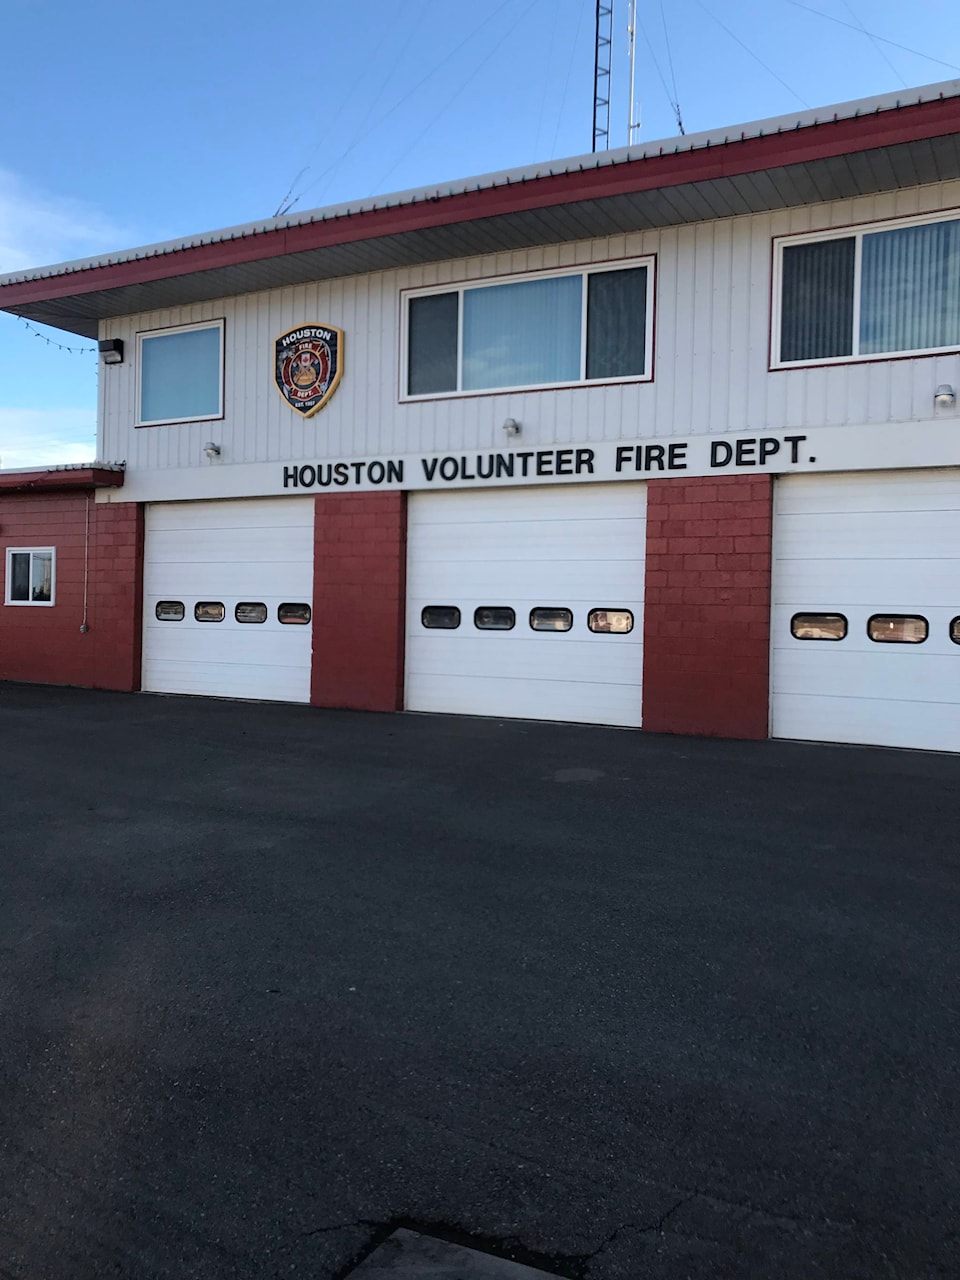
(853, 148)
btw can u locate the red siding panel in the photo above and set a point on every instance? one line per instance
(47, 645)
(706, 629)
(359, 594)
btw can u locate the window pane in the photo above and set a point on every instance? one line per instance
(440, 617)
(818, 626)
(169, 611)
(42, 577)
(817, 300)
(209, 611)
(250, 613)
(616, 312)
(524, 334)
(610, 621)
(180, 375)
(432, 344)
(894, 628)
(19, 576)
(955, 630)
(551, 619)
(910, 294)
(494, 619)
(295, 614)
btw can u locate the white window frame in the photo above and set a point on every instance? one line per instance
(487, 282)
(8, 579)
(163, 333)
(855, 233)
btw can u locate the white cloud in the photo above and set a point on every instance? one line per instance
(46, 437)
(39, 227)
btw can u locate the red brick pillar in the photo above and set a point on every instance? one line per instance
(706, 629)
(359, 593)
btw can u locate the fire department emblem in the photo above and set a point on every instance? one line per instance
(309, 362)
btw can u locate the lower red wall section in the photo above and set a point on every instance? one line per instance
(359, 591)
(706, 627)
(46, 644)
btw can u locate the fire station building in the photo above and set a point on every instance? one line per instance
(665, 437)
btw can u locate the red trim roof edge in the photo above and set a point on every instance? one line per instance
(54, 481)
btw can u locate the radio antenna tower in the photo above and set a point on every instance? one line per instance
(601, 76)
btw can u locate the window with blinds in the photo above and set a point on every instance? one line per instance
(868, 293)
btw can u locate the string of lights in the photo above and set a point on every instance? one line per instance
(74, 351)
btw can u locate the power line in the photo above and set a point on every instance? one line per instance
(462, 87)
(676, 97)
(566, 83)
(873, 35)
(663, 79)
(756, 57)
(360, 135)
(873, 40)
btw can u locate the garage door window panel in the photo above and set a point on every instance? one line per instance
(440, 617)
(955, 630)
(209, 611)
(30, 574)
(896, 628)
(180, 374)
(614, 622)
(542, 619)
(296, 615)
(818, 626)
(170, 611)
(249, 612)
(538, 331)
(887, 290)
(494, 618)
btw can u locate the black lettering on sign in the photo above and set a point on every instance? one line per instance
(504, 465)
(485, 466)
(464, 473)
(357, 471)
(721, 451)
(653, 453)
(340, 474)
(429, 467)
(544, 463)
(584, 461)
(745, 452)
(524, 460)
(676, 456)
(564, 462)
(290, 477)
(768, 447)
(324, 474)
(624, 451)
(375, 472)
(449, 469)
(308, 476)
(794, 442)
(395, 472)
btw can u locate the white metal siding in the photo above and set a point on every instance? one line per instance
(581, 547)
(258, 551)
(711, 375)
(884, 542)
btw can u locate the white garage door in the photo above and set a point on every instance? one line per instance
(867, 568)
(228, 589)
(527, 602)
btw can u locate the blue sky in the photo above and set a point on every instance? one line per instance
(154, 121)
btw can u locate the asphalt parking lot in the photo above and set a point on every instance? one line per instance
(275, 981)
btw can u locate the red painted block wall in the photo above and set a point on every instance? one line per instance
(46, 645)
(706, 630)
(359, 590)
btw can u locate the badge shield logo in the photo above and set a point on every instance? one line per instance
(308, 366)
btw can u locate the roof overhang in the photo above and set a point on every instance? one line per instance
(61, 479)
(854, 149)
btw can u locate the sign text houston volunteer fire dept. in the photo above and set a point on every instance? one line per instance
(308, 365)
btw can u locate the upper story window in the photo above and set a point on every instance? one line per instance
(862, 294)
(180, 374)
(544, 330)
(30, 575)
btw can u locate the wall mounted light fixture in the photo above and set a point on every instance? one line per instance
(111, 350)
(512, 427)
(945, 397)
(211, 450)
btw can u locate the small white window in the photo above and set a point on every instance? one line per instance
(31, 575)
(180, 374)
